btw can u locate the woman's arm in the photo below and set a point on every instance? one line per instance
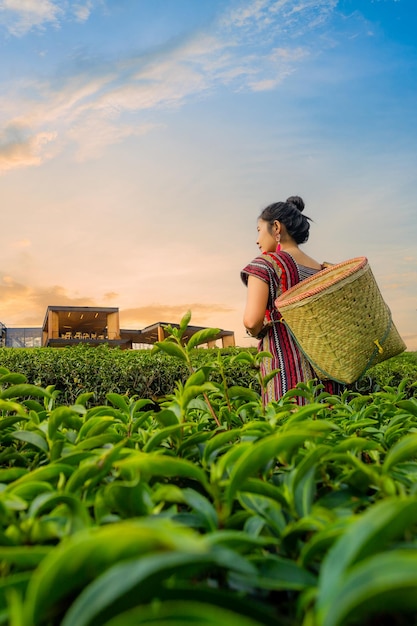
(256, 302)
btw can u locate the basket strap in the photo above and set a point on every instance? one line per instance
(377, 350)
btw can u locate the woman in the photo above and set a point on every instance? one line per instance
(282, 227)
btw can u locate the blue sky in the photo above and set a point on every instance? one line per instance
(140, 139)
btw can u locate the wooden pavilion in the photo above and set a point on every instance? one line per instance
(70, 325)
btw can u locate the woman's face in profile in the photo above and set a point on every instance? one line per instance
(266, 241)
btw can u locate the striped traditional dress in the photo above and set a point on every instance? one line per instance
(280, 271)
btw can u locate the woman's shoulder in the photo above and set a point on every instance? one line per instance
(278, 262)
(264, 267)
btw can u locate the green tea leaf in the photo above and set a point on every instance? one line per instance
(304, 493)
(370, 534)
(192, 442)
(95, 426)
(119, 401)
(320, 542)
(33, 438)
(218, 441)
(257, 455)
(265, 508)
(355, 444)
(12, 502)
(172, 349)
(183, 612)
(18, 582)
(219, 471)
(197, 378)
(48, 473)
(166, 417)
(244, 393)
(275, 573)
(83, 398)
(93, 469)
(6, 422)
(60, 415)
(24, 557)
(264, 488)
(190, 393)
(160, 436)
(380, 585)
(34, 405)
(79, 517)
(244, 356)
(29, 491)
(239, 540)
(308, 411)
(128, 499)
(268, 377)
(14, 379)
(409, 405)
(23, 390)
(202, 336)
(403, 450)
(11, 474)
(76, 457)
(11, 407)
(99, 441)
(203, 508)
(309, 461)
(122, 584)
(185, 320)
(86, 555)
(154, 464)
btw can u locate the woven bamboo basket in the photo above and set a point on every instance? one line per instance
(340, 321)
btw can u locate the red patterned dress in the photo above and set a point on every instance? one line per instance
(280, 272)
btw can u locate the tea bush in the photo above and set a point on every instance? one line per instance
(211, 509)
(75, 370)
(399, 370)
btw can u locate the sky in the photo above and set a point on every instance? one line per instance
(140, 140)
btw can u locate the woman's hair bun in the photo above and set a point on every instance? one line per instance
(297, 202)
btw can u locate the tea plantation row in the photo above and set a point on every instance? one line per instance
(152, 375)
(203, 507)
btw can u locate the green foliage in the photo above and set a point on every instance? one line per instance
(400, 370)
(80, 369)
(199, 505)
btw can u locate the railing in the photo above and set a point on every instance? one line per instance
(84, 336)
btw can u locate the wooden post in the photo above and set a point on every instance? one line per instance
(113, 325)
(228, 341)
(161, 333)
(53, 324)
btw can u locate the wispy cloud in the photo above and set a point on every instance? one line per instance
(19, 17)
(82, 10)
(22, 16)
(106, 104)
(29, 302)
(283, 18)
(21, 147)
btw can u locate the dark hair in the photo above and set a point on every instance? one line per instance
(290, 214)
